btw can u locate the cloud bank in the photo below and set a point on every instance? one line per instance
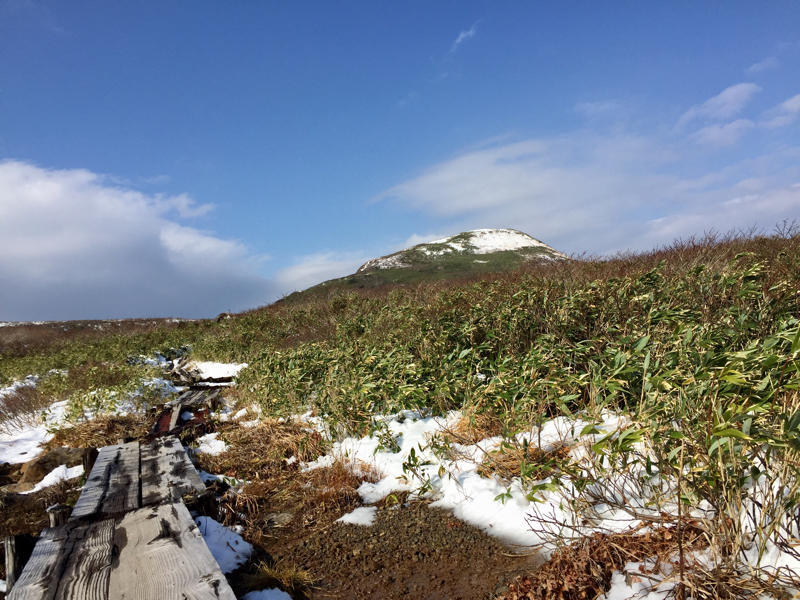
(73, 245)
(623, 188)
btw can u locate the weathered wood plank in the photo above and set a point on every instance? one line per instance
(88, 567)
(39, 578)
(123, 481)
(12, 560)
(96, 485)
(167, 472)
(176, 413)
(161, 554)
(181, 398)
(155, 487)
(113, 484)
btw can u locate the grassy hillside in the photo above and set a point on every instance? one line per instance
(697, 345)
(459, 257)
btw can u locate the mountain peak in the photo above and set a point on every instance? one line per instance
(476, 241)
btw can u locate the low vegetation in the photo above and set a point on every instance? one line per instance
(695, 345)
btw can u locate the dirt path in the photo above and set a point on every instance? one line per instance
(410, 552)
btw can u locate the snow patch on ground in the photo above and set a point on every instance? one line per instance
(640, 588)
(29, 381)
(209, 444)
(214, 370)
(57, 475)
(227, 547)
(270, 594)
(500, 509)
(363, 515)
(19, 444)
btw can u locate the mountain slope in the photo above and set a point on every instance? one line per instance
(462, 255)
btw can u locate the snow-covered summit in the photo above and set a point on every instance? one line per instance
(477, 241)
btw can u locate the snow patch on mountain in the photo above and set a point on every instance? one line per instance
(477, 241)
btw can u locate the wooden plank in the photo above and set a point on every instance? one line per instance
(12, 560)
(167, 472)
(39, 578)
(123, 481)
(113, 484)
(181, 398)
(96, 485)
(155, 486)
(161, 554)
(88, 568)
(176, 413)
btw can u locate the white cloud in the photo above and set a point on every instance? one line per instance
(728, 103)
(314, 268)
(463, 36)
(74, 246)
(767, 64)
(764, 210)
(601, 193)
(783, 114)
(723, 134)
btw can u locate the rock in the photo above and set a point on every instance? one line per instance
(8, 473)
(279, 519)
(17, 488)
(34, 470)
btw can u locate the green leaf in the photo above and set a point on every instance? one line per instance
(734, 433)
(735, 377)
(796, 341)
(590, 429)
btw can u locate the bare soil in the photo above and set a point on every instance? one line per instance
(411, 551)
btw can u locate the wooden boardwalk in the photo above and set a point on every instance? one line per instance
(129, 535)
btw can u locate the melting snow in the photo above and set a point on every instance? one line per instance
(209, 444)
(227, 547)
(457, 486)
(363, 515)
(29, 381)
(214, 370)
(57, 475)
(19, 444)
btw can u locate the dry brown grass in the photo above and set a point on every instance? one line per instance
(473, 427)
(313, 499)
(101, 431)
(26, 513)
(286, 576)
(583, 569)
(277, 487)
(21, 407)
(506, 463)
(260, 452)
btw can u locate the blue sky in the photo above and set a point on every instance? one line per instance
(238, 151)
